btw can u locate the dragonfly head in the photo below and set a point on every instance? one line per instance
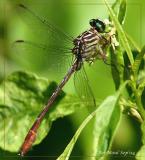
(101, 26)
(98, 25)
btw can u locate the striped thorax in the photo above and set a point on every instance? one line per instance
(92, 44)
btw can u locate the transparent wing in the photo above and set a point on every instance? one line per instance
(48, 47)
(34, 20)
(42, 57)
(83, 89)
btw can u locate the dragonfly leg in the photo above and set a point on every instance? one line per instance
(101, 54)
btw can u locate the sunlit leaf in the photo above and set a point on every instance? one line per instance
(141, 154)
(22, 97)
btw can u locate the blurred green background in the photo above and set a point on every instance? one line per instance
(73, 17)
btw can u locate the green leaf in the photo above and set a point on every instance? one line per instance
(117, 58)
(138, 60)
(141, 82)
(22, 97)
(115, 4)
(107, 117)
(118, 67)
(141, 153)
(122, 12)
(107, 120)
(121, 33)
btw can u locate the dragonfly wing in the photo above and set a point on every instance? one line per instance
(83, 88)
(41, 56)
(48, 48)
(43, 32)
(34, 20)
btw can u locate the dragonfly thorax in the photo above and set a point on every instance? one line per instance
(93, 43)
(90, 46)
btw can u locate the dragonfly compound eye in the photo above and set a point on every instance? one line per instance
(98, 25)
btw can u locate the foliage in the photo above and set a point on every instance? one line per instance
(107, 113)
(22, 94)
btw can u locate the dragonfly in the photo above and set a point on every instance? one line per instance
(89, 46)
